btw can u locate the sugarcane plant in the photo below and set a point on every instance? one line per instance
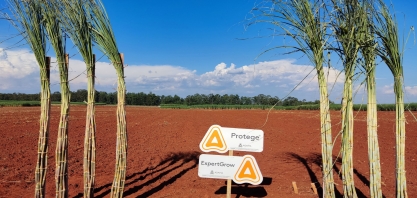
(368, 51)
(73, 15)
(347, 25)
(386, 28)
(28, 21)
(303, 21)
(56, 38)
(103, 35)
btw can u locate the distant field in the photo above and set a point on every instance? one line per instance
(15, 103)
(336, 107)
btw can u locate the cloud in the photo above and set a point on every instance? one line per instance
(388, 89)
(277, 77)
(411, 90)
(18, 69)
(278, 74)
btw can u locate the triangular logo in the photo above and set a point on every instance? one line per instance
(214, 140)
(248, 172)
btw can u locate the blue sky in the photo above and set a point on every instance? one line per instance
(193, 46)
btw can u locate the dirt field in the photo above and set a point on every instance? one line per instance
(164, 150)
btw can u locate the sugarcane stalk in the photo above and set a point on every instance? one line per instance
(326, 136)
(302, 20)
(121, 150)
(53, 29)
(103, 35)
(42, 159)
(28, 22)
(74, 16)
(387, 30)
(89, 138)
(61, 158)
(369, 53)
(401, 181)
(373, 146)
(347, 140)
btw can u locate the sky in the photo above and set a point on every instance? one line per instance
(186, 47)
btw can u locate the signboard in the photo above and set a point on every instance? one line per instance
(250, 140)
(222, 139)
(239, 169)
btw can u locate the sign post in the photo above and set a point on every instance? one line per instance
(229, 182)
(239, 169)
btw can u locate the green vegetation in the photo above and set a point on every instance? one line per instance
(106, 41)
(14, 103)
(302, 20)
(392, 53)
(56, 38)
(17, 103)
(151, 99)
(180, 103)
(28, 21)
(333, 107)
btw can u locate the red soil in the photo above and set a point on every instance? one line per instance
(163, 151)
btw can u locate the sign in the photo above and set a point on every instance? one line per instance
(218, 166)
(251, 140)
(222, 139)
(239, 169)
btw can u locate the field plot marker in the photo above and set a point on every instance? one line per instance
(294, 185)
(313, 186)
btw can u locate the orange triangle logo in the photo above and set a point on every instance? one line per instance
(213, 140)
(248, 171)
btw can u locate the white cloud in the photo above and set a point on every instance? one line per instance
(273, 77)
(388, 89)
(17, 70)
(411, 90)
(279, 73)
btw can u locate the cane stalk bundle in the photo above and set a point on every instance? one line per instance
(104, 37)
(368, 51)
(28, 15)
(55, 34)
(73, 14)
(387, 31)
(302, 20)
(347, 27)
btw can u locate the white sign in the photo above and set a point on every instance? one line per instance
(222, 139)
(250, 140)
(218, 166)
(239, 169)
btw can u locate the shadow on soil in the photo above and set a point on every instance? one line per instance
(245, 190)
(182, 162)
(316, 159)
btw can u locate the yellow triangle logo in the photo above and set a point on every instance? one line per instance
(214, 140)
(248, 171)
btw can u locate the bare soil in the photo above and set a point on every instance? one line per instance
(164, 149)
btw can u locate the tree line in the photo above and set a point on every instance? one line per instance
(151, 99)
